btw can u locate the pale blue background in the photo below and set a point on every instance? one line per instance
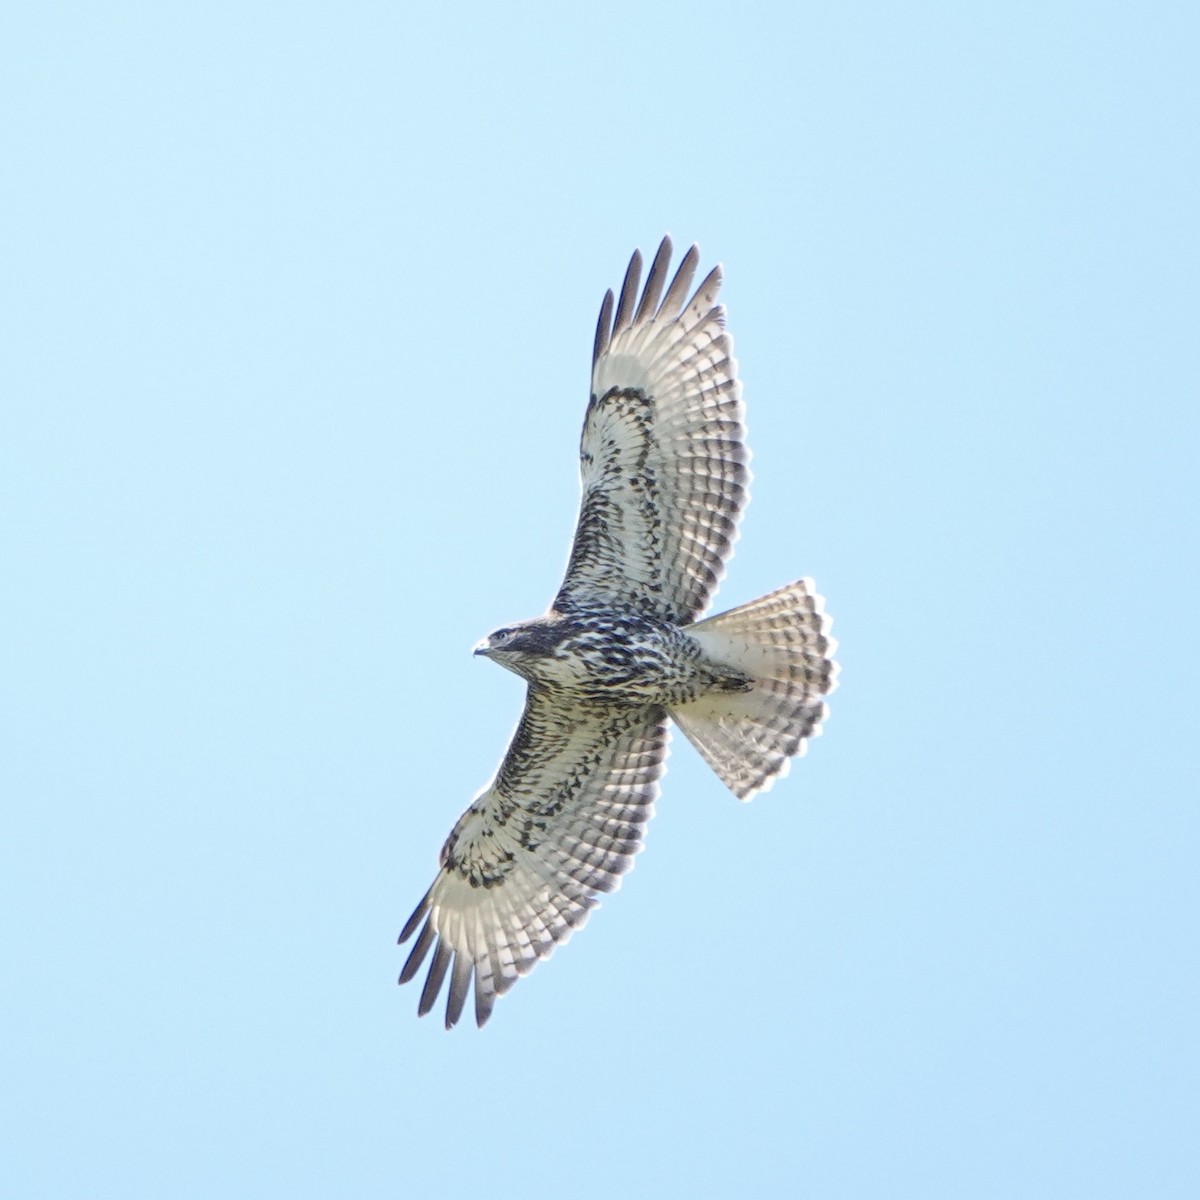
(298, 307)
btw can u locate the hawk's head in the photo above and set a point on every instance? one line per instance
(519, 647)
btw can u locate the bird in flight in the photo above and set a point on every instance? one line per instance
(622, 650)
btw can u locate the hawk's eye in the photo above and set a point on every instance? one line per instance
(502, 635)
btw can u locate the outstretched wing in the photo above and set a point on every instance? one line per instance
(561, 822)
(664, 459)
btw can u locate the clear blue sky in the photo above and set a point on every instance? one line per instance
(298, 312)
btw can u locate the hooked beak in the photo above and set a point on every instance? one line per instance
(484, 647)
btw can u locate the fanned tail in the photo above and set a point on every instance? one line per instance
(782, 642)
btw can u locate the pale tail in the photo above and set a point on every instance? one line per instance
(782, 642)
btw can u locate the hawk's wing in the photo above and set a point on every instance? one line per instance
(561, 821)
(664, 459)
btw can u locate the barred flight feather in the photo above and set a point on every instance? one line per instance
(514, 884)
(665, 470)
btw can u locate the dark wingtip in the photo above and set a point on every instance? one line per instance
(485, 989)
(433, 981)
(603, 327)
(677, 293)
(633, 276)
(655, 281)
(460, 984)
(417, 956)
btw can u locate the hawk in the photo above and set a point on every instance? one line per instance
(622, 649)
